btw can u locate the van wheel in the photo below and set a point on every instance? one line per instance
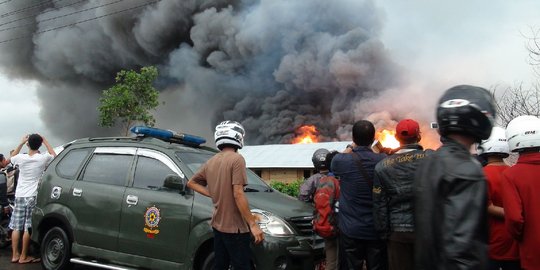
(56, 250)
(208, 263)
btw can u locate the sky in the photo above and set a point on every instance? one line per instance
(439, 44)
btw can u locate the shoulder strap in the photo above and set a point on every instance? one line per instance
(336, 187)
(358, 160)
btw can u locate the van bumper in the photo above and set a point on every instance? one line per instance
(289, 253)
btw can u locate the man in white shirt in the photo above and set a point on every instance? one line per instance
(31, 167)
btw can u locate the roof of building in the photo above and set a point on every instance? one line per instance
(285, 155)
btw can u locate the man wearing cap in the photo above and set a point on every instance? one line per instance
(393, 204)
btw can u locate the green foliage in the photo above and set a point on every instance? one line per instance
(290, 189)
(130, 99)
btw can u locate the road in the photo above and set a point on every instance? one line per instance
(5, 263)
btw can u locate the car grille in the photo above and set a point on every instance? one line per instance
(303, 225)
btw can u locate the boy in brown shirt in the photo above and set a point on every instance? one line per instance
(222, 178)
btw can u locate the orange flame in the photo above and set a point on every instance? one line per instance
(387, 138)
(306, 134)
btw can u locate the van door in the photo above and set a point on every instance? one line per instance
(96, 198)
(155, 220)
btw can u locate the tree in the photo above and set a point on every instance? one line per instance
(533, 47)
(516, 101)
(130, 99)
(519, 100)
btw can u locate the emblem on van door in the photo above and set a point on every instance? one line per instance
(56, 192)
(151, 221)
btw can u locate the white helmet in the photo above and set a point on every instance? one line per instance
(495, 144)
(229, 133)
(523, 132)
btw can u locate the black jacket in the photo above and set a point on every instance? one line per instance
(450, 211)
(393, 190)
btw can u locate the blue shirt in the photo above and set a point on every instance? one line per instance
(355, 201)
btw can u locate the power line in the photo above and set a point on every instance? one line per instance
(32, 16)
(26, 8)
(61, 16)
(83, 21)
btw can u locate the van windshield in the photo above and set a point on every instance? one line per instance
(195, 160)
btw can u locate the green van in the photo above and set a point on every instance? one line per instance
(122, 203)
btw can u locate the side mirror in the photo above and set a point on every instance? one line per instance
(175, 182)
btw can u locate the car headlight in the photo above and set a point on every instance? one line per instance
(271, 224)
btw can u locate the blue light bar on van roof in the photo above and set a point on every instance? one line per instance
(168, 135)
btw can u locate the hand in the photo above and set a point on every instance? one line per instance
(257, 233)
(25, 139)
(349, 148)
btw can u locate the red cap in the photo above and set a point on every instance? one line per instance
(407, 129)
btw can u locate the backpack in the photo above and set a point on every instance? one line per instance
(325, 199)
(12, 173)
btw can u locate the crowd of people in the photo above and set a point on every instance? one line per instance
(409, 209)
(444, 209)
(22, 171)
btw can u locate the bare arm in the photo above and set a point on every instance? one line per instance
(19, 147)
(198, 187)
(243, 206)
(198, 182)
(49, 147)
(496, 211)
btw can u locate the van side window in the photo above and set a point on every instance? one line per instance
(71, 162)
(108, 168)
(150, 173)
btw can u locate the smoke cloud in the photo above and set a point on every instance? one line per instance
(273, 65)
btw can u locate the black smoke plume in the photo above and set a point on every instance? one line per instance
(273, 65)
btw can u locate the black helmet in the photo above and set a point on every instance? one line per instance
(466, 109)
(319, 158)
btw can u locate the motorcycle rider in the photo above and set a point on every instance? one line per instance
(307, 189)
(450, 188)
(522, 188)
(503, 249)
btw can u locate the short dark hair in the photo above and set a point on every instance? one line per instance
(34, 141)
(363, 133)
(2, 157)
(329, 158)
(407, 140)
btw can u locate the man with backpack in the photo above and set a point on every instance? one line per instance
(307, 189)
(358, 240)
(12, 174)
(325, 221)
(393, 208)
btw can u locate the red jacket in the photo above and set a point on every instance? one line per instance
(502, 246)
(522, 207)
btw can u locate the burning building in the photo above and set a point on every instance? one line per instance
(291, 162)
(285, 162)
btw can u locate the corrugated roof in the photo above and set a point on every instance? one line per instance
(285, 155)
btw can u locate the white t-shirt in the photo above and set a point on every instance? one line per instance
(30, 170)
